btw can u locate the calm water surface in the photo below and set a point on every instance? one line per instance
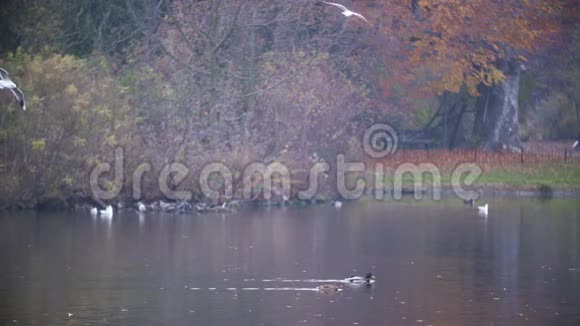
(435, 263)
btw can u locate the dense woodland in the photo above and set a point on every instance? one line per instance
(238, 81)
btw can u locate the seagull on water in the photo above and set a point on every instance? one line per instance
(141, 207)
(346, 12)
(6, 83)
(482, 209)
(107, 212)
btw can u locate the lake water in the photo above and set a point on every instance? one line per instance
(435, 264)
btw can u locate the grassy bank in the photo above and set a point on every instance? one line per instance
(554, 176)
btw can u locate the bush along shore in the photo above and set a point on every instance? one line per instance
(546, 181)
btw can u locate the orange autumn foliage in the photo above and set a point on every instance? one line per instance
(460, 42)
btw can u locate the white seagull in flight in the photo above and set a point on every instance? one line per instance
(6, 83)
(346, 11)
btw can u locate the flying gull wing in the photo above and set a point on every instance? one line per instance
(19, 97)
(4, 74)
(336, 5)
(361, 16)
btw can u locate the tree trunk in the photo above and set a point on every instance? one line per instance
(496, 122)
(250, 84)
(457, 125)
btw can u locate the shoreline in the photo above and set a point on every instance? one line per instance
(447, 192)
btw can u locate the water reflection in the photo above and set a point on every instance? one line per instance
(437, 263)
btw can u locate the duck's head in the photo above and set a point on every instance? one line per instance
(369, 278)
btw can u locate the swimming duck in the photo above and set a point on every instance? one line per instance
(337, 204)
(94, 211)
(328, 288)
(359, 280)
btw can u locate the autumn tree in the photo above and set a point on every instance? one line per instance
(217, 47)
(478, 45)
(550, 106)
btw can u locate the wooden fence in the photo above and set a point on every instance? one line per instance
(444, 157)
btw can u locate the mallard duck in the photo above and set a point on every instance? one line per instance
(328, 288)
(359, 280)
